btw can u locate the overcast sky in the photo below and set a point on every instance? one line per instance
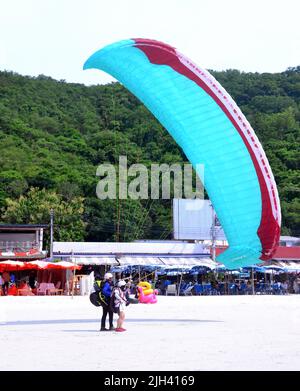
(55, 37)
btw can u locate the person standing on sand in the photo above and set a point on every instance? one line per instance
(1, 283)
(105, 289)
(120, 302)
(6, 280)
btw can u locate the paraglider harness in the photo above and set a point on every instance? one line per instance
(113, 307)
(97, 298)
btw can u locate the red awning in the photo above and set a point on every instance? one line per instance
(37, 265)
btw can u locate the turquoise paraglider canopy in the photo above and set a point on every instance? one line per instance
(212, 131)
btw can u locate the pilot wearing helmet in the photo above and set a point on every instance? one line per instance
(105, 294)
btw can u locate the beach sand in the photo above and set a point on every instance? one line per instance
(196, 333)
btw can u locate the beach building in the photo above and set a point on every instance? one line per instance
(166, 254)
(104, 255)
(22, 241)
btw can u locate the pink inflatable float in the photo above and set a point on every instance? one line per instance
(146, 293)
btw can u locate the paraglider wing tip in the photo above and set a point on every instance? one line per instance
(86, 65)
(95, 60)
(239, 256)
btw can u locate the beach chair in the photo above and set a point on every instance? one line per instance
(55, 290)
(183, 287)
(198, 289)
(243, 289)
(261, 288)
(42, 289)
(207, 289)
(188, 291)
(171, 290)
(50, 289)
(268, 289)
(233, 289)
(222, 288)
(276, 288)
(25, 292)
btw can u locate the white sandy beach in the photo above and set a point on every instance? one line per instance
(208, 333)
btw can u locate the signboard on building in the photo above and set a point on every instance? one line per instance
(195, 220)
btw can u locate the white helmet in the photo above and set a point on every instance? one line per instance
(107, 276)
(121, 283)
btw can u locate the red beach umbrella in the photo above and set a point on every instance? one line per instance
(10, 266)
(64, 265)
(39, 265)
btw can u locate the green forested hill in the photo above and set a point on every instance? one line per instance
(54, 135)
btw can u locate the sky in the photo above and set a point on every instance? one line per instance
(55, 37)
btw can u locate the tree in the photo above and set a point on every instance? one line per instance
(54, 135)
(35, 206)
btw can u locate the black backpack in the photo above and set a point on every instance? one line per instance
(95, 297)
